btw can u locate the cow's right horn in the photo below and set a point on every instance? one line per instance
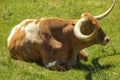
(78, 33)
(105, 13)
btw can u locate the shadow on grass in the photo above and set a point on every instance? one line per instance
(96, 67)
(92, 69)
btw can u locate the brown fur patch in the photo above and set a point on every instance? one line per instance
(37, 21)
(91, 18)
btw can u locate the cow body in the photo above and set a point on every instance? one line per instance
(49, 40)
(56, 42)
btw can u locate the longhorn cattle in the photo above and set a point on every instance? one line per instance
(56, 42)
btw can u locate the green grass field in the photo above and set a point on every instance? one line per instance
(103, 62)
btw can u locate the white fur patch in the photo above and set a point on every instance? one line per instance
(50, 64)
(31, 31)
(15, 29)
(13, 32)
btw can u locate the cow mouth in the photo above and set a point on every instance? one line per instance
(105, 41)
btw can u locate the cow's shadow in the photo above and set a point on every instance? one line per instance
(95, 67)
(91, 69)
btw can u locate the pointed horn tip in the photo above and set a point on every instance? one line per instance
(113, 4)
(107, 12)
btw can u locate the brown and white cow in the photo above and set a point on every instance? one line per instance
(56, 42)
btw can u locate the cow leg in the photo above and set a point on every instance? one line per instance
(82, 56)
(53, 64)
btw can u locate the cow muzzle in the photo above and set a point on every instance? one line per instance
(106, 40)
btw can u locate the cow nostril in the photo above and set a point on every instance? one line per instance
(107, 39)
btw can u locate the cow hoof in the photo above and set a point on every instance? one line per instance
(82, 57)
(59, 67)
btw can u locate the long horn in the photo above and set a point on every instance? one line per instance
(105, 13)
(79, 35)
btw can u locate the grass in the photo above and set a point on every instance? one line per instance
(103, 63)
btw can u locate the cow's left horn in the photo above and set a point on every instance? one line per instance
(105, 13)
(78, 33)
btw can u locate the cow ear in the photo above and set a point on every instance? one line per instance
(95, 22)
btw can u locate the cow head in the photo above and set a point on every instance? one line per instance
(87, 28)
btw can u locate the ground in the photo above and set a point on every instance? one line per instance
(103, 61)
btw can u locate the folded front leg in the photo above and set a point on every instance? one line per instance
(82, 56)
(54, 64)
